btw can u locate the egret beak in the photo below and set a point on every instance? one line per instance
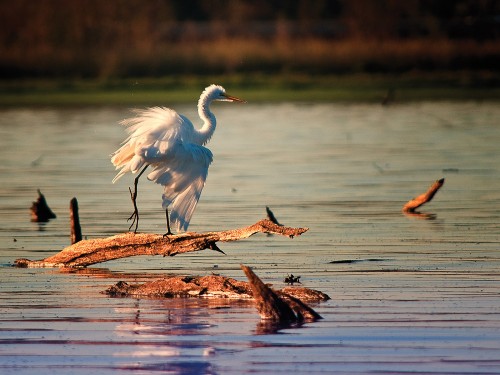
(234, 99)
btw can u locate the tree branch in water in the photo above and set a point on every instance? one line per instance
(93, 251)
(414, 203)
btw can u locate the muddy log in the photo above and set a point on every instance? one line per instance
(93, 251)
(414, 203)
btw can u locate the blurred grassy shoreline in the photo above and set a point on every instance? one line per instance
(461, 86)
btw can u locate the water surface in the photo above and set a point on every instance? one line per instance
(409, 294)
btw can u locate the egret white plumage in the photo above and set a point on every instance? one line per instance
(167, 142)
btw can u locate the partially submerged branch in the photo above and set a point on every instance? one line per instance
(414, 203)
(203, 286)
(279, 306)
(88, 252)
(270, 216)
(40, 210)
(76, 229)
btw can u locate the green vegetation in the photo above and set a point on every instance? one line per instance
(257, 88)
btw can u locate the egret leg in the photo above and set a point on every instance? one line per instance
(169, 232)
(135, 215)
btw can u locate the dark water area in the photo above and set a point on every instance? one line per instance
(410, 293)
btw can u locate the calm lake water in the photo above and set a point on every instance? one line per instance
(410, 294)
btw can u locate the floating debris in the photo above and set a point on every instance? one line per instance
(290, 279)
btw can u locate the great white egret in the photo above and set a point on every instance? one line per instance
(168, 142)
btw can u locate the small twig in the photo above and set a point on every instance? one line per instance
(413, 204)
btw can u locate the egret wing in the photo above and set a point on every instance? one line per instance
(182, 170)
(154, 129)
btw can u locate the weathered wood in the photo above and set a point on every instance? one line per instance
(204, 286)
(76, 229)
(183, 286)
(269, 305)
(414, 203)
(88, 252)
(282, 307)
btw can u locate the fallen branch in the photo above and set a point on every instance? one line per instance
(203, 286)
(413, 204)
(183, 286)
(88, 252)
(278, 306)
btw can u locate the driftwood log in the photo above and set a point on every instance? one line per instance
(205, 287)
(93, 251)
(277, 308)
(418, 201)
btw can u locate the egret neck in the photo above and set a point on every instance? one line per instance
(209, 121)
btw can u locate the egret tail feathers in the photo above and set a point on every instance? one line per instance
(183, 205)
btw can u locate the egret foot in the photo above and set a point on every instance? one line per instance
(135, 215)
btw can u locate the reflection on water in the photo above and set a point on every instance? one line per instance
(405, 292)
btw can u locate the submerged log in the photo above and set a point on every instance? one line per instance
(414, 203)
(88, 252)
(183, 286)
(277, 308)
(203, 286)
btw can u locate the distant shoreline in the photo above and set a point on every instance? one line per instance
(254, 88)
